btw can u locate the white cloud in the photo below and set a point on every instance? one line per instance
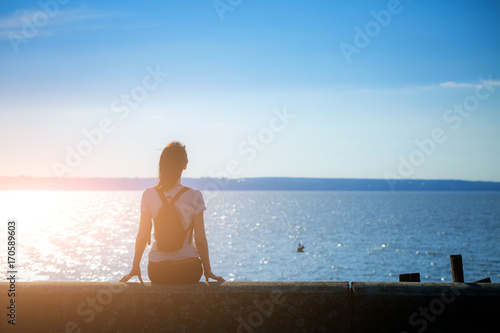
(452, 84)
(41, 20)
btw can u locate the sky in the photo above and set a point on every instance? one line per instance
(286, 88)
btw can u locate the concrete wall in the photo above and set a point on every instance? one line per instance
(250, 307)
(424, 307)
(213, 307)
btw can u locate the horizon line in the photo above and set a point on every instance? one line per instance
(259, 177)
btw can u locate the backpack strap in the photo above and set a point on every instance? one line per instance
(174, 199)
(162, 196)
(178, 195)
(190, 233)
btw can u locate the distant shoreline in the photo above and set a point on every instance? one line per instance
(245, 184)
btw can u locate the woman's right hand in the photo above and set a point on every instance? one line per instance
(133, 272)
(211, 275)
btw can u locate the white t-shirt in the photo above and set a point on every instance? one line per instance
(188, 204)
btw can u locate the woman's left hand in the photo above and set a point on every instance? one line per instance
(211, 275)
(135, 271)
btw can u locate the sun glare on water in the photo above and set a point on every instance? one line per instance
(65, 228)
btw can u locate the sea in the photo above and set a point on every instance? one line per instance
(254, 235)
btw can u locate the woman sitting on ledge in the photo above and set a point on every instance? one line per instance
(171, 263)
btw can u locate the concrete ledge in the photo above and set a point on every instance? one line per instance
(424, 307)
(73, 307)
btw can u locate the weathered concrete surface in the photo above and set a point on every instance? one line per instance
(424, 307)
(203, 307)
(74, 307)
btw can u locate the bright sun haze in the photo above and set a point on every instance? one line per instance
(331, 89)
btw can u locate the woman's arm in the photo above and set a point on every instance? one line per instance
(202, 246)
(143, 236)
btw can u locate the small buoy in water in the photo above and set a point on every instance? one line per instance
(300, 248)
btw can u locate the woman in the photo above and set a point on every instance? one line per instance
(181, 266)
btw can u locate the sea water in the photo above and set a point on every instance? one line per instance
(253, 235)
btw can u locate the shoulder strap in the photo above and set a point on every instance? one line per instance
(190, 233)
(162, 196)
(174, 199)
(178, 195)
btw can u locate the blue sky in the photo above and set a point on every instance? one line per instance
(253, 88)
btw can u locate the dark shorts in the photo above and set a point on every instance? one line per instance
(175, 271)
